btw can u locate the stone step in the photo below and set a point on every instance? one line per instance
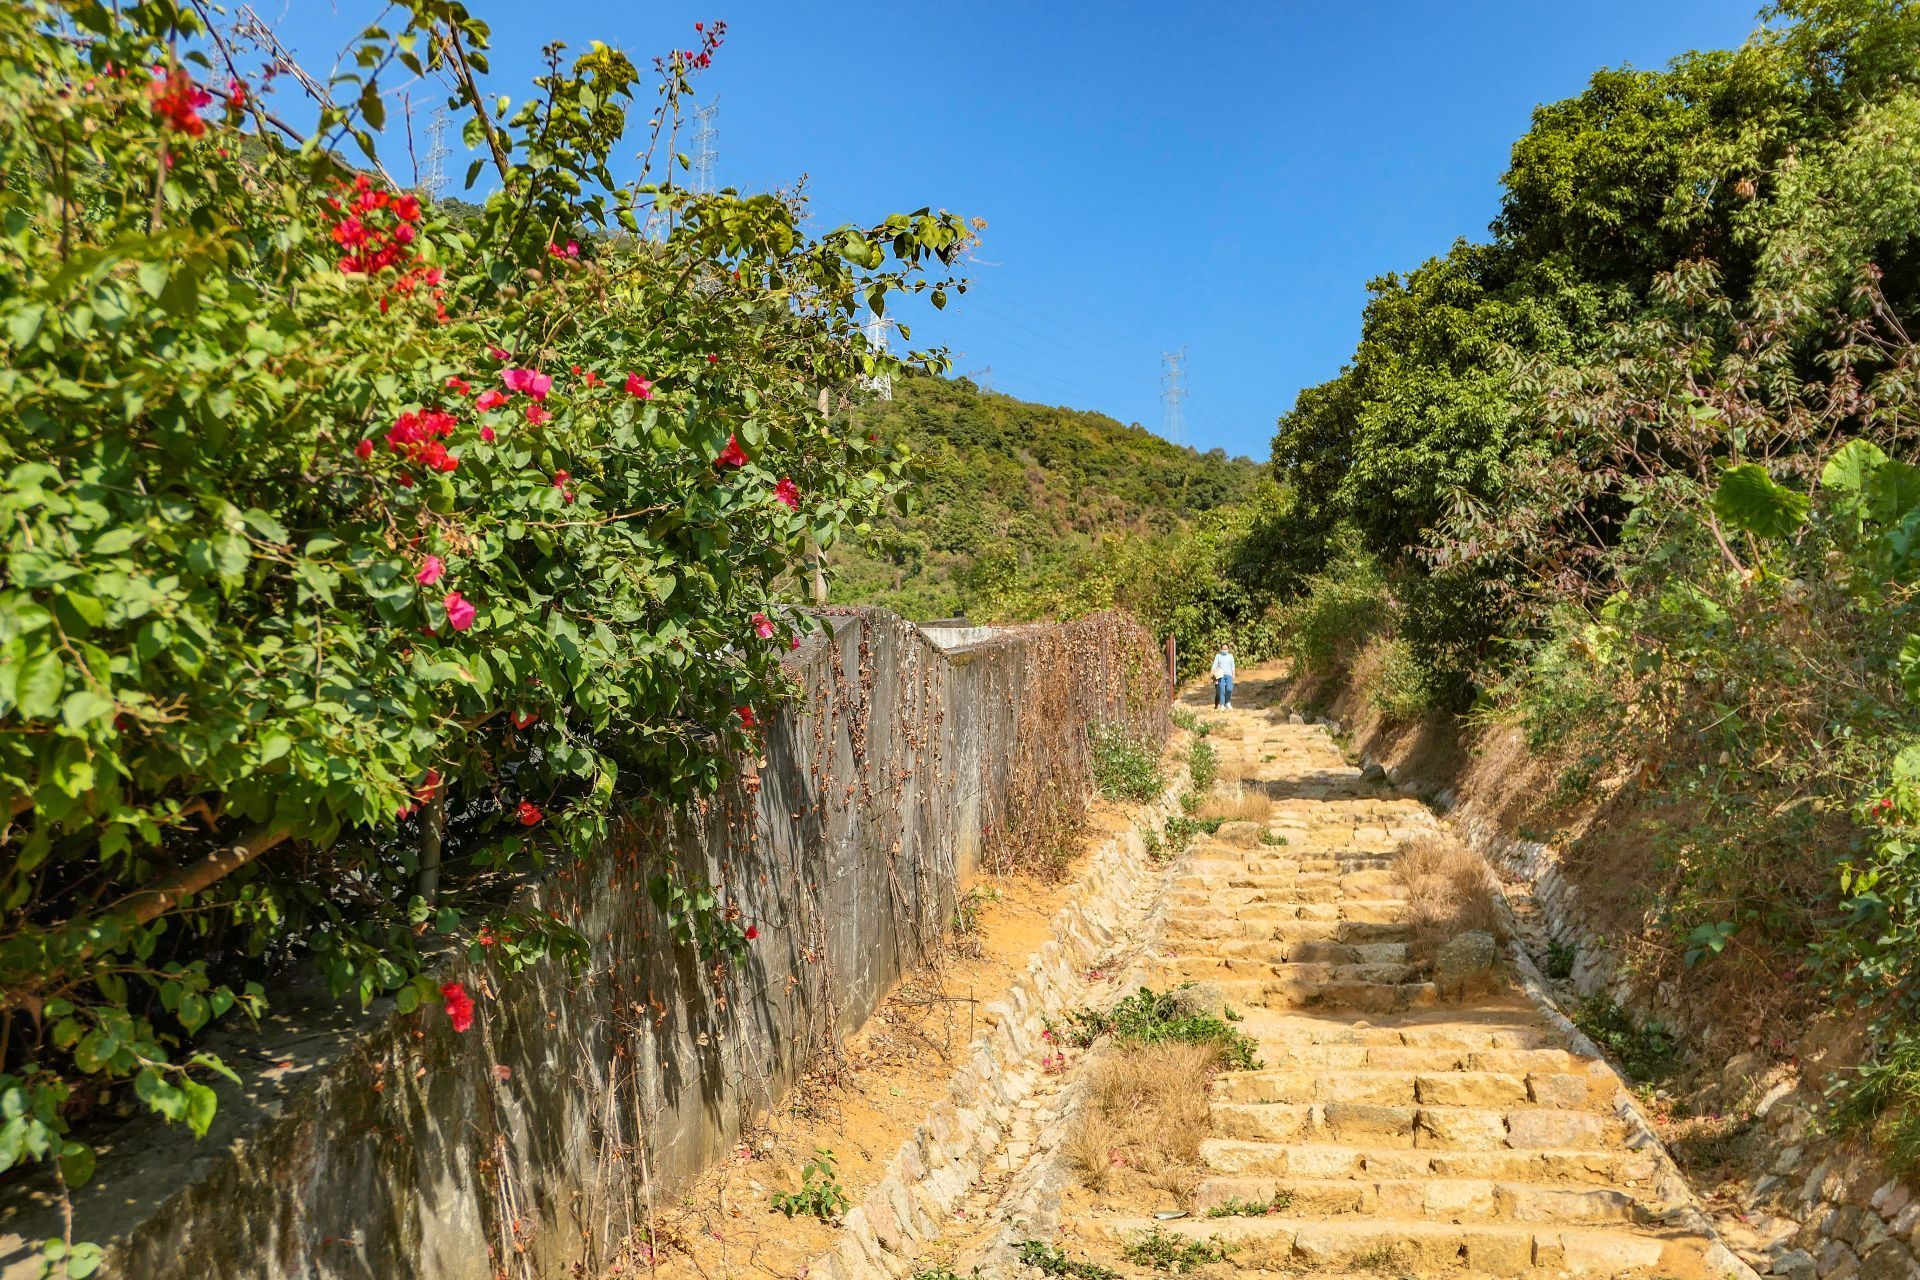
(1444, 1087)
(1397, 1245)
(1316, 952)
(1441, 1029)
(1518, 1128)
(1550, 1165)
(1442, 1199)
(1208, 921)
(1291, 1056)
(1209, 968)
(1354, 996)
(1216, 928)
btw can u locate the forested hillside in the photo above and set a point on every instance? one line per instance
(1008, 496)
(1635, 475)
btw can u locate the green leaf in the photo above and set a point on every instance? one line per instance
(1751, 500)
(76, 1163)
(202, 1102)
(83, 707)
(43, 678)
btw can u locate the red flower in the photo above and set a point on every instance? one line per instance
(560, 479)
(500, 354)
(713, 359)
(763, 626)
(177, 100)
(528, 813)
(536, 415)
(592, 379)
(639, 386)
(521, 719)
(571, 250)
(489, 400)
(363, 450)
(430, 570)
(429, 786)
(787, 492)
(793, 642)
(461, 385)
(746, 718)
(753, 931)
(732, 456)
(406, 208)
(460, 611)
(486, 434)
(459, 1005)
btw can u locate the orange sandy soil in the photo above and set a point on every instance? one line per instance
(892, 1071)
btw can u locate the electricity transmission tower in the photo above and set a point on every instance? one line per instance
(1173, 390)
(706, 146)
(982, 377)
(433, 167)
(880, 384)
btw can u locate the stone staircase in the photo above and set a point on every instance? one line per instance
(1390, 1133)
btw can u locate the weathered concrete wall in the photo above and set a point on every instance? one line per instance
(387, 1147)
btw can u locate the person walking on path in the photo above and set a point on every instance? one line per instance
(1223, 678)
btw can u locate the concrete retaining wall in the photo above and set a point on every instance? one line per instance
(387, 1147)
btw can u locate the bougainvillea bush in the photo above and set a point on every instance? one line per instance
(359, 560)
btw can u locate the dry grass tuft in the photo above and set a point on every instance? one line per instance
(1237, 803)
(1144, 1117)
(1449, 892)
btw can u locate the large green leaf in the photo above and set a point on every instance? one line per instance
(1751, 500)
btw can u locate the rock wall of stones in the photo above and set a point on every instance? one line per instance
(385, 1145)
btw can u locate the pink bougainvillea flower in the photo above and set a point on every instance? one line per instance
(521, 719)
(528, 382)
(746, 717)
(407, 208)
(461, 385)
(569, 250)
(763, 626)
(536, 415)
(363, 450)
(733, 455)
(560, 479)
(591, 379)
(430, 570)
(459, 1005)
(793, 642)
(460, 611)
(489, 400)
(486, 434)
(500, 353)
(788, 492)
(639, 387)
(529, 813)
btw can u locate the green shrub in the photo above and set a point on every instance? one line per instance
(1203, 767)
(1235, 1207)
(1882, 1101)
(820, 1194)
(1164, 1251)
(1645, 1051)
(1184, 718)
(1344, 606)
(1052, 1260)
(1397, 682)
(1126, 764)
(1148, 1017)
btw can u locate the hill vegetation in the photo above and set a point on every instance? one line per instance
(1024, 510)
(1633, 475)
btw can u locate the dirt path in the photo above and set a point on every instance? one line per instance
(1387, 1132)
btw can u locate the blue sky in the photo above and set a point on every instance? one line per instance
(1223, 177)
